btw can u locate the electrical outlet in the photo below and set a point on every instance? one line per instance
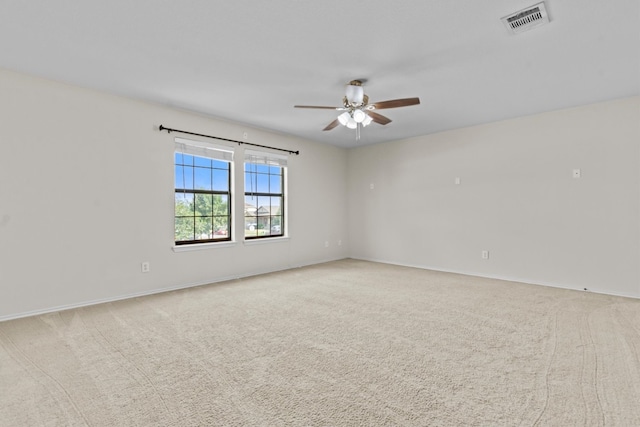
(339, 242)
(577, 173)
(145, 267)
(485, 254)
(326, 244)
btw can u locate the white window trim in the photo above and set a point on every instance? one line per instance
(204, 149)
(263, 241)
(203, 246)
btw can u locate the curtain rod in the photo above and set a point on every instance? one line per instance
(169, 130)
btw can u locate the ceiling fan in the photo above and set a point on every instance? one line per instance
(357, 112)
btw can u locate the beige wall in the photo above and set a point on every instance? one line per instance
(86, 195)
(516, 199)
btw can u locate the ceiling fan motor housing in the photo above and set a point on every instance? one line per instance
(355, 93)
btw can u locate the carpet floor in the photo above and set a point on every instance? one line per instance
(346, 343)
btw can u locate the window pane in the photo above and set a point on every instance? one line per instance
(184, 204)
(179, 176)
(275, 182)
(264, 210)
(220, 180)
(221, 227)
(219, 164)
(187, 176)
(204, 205)
(184, 229)
(250, 227)
(202, 161)
(220, 204)
(184, 176)
(187, 160)
(276, 220)
(263, 183)
(203, 179)
(204, 228)
(276, 225)
(276, 203)
(262, 168)
(262, 203)
(250, 205)
(275, 170)
(249, 182)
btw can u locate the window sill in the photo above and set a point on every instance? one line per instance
(264, 241)
(202, 246)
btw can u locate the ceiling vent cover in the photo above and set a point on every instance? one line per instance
(526, 19)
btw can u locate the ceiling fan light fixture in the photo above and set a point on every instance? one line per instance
(352, 124)
(344, 118)
(367, 120)
(359, 116)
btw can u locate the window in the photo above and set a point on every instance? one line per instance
(264, 182)
(202, 193)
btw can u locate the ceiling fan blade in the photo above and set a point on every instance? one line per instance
(379, 118)
(395, 103)
(332, 125)
(316, 106)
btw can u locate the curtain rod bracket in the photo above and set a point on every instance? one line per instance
(169, 130)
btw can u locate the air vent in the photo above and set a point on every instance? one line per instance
(526, 19)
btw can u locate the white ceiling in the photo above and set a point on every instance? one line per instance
(250, 61)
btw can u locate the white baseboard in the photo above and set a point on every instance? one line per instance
(266, 271)
(88, 303)
(498, 277)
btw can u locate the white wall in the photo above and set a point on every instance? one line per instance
(86, 195)
(516, 198)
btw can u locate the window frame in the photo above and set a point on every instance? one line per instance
(213, 153)
(268, 160)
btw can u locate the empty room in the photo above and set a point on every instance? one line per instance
(297, 213)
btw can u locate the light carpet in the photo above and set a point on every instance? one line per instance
(346, 343)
